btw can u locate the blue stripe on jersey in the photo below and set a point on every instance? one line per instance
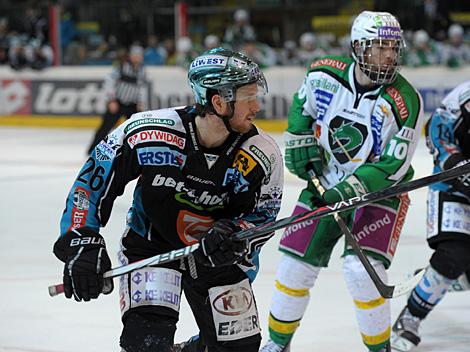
(376, 127)
(91, 184)
(136, 215)
(441, 142)
(252, 272)
(323, 100)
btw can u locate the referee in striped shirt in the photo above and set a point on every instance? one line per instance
(124, 89)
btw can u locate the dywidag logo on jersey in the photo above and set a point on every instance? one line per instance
(156, 136)
(346, 138)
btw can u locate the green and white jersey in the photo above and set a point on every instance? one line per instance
(371, 134)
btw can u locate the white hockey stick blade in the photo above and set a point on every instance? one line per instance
(405, 287)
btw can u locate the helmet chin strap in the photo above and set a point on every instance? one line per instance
(226, 118)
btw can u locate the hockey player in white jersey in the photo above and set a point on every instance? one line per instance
(448, 218)
(356, 121)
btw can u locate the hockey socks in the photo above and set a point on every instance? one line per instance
(290, 297)
(372, 310)
(281, 332)
(429, 292)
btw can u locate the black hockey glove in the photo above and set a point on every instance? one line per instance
(461, 184)
(218, 247)
(84, 253)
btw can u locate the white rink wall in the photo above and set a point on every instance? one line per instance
(77, 90)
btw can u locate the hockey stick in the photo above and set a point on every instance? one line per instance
(385, 290)
(292, 220)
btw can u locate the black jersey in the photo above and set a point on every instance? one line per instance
(182, 187)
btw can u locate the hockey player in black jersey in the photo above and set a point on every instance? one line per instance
(203, 172)
(448, 218)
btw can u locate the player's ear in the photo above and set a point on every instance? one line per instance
(219, 104)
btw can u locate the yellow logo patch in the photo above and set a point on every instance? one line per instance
(244, 162)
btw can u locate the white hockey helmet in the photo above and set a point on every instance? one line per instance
(382, 29)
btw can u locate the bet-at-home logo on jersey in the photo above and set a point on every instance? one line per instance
(346, 138)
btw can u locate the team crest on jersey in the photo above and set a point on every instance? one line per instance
(191, 227)
(346, 138)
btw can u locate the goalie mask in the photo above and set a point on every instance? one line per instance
(377, 45)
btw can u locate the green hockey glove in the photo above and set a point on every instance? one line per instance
(349, 188)
(301, 150)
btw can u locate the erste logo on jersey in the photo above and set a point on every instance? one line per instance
(158, 156)
(346, 138)
(399, 101)
(156, 136)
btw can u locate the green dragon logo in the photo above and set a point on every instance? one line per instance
(346, 138)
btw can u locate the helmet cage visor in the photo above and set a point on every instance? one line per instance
(238, 93)
(370, 55)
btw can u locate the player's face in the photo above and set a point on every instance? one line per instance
(246, 108)
(383, 53)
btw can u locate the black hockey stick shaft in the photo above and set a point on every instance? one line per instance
(355, 202)
(292, 220)
(385, 290)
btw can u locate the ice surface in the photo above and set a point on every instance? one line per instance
(37, 167)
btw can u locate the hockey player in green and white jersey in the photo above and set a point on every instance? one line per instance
(356, 122)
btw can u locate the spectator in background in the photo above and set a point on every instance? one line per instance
(68, 31)
(35, 24)
(17, 53)
(308, 49)
(170, 48)
(154, 53)
(98, 55)
(432, 16)
(344, 45)
(211, 41)
(75, 54)
(456, 51)
(185, 52)
(240, 31)
(39, 55)
(261, 53)
(288, 55)
(424, 52)
(125, 91)
(4, 41)
(4, 36)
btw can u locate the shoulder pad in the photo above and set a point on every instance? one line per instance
(167, 118)
(404, 98)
